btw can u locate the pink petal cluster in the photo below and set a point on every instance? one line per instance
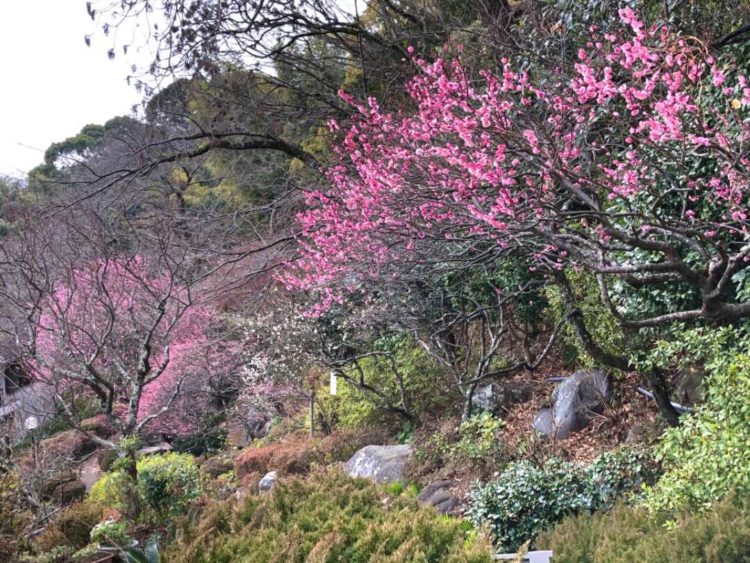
(490, 158)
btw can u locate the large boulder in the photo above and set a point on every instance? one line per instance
(63, 447)
(268, 481)
(382, 464)
(98, 425)
(499, 397)
(69, 492)
(439, 495)
(575, 401)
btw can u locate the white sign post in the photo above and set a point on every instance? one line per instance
(334, 383)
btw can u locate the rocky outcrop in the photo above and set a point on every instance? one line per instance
(217, 465)
(382, 464)
(68, 446)
(439, 495)
(575, 401)
(499, 397)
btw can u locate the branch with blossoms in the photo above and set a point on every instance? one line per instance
(594, 169)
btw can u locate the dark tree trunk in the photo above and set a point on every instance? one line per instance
(655, 377)
(659, 386)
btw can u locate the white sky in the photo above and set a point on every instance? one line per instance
(53, 84)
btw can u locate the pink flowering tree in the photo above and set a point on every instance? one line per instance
(630, 163)
(128, 334)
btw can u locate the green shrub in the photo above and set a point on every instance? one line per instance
(71, 527)
(626, 534)
(209, 438)
(708, 454)
(112, 534)
(475, 442)
(15, 514)
(604, 328)
(167, 484)
(526, 498)
(325, 518)
(353, 408)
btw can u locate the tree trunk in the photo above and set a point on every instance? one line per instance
(658, 384)
(655, 378)
(468, 398)
(132, 501)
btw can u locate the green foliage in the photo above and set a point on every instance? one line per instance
(325, 518)
(708, 455)
(479, 438)
(14, 514)
(353, 407)
(475, 442)
(526, 499)
(71, 527)
(210, 439)
(167, 484)
(604, 328)
(681, 348)
(626, 534)
(150, 554)
(111, 534)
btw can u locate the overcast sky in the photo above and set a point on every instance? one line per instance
(52, 83)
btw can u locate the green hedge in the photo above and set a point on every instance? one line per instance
(325, 518)
(167, 484)
(526, 498)
(625, 535)
(709, 453)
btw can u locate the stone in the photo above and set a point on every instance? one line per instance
(439, 495)
(90, 472)
(161, 448)
(98, 425)
(382, 464)
(237, 434)
(575, 400)
(499, 397)
(268, 482)
(543, 422)
(53, 481)
(688, 389)
(217, 465)
(70, 444)
(242, 432)
(69, 492)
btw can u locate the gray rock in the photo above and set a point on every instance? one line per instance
(543, 422)
(438, 494)
(382, 464)
(575, 401)
(689, 388)
(241, 431)
(268, 482)
(498, 397)
(161, 448)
